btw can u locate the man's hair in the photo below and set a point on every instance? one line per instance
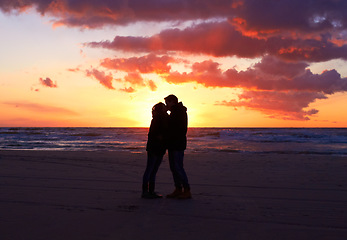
(172, 98)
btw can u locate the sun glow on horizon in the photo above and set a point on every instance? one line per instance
(59, 69)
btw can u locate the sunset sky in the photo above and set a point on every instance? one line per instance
(233, 63)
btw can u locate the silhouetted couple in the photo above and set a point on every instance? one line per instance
(167, 132)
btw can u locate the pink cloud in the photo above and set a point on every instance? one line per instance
(145, 64)
(243, 28)
(277, 88)
(77, 69)
(286, 34)
(134, 68)
(48, 83)
(35, 89)
(133, 79)
(105, 80)
(222, 39)
(269, 74)
(218, 39)
(284, 105)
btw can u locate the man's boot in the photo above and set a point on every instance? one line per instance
(175, 193)
(186, 194)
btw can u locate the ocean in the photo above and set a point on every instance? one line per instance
(327, 141)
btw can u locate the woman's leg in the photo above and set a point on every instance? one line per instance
(149, 169)
(158, 158)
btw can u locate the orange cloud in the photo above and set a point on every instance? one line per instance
(77, 69)
(35, 107)
(128, 90)
(152, 85)
(134, 78)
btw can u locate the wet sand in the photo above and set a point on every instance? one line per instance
(96, 195)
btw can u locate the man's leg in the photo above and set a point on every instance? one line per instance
(173, 168)
(179, 166)
(176, 164)
(178, 184)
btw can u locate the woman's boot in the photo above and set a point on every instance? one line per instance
(145, 193)
(151, 188)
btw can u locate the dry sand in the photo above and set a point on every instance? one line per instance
(96, 195)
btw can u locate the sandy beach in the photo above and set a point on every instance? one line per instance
(96, 195)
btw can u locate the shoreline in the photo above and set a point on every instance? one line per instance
(96, 195)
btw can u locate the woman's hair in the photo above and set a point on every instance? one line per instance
(158, 109)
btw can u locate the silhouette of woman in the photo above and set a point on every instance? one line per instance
(156, 148)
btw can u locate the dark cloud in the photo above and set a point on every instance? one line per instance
(259, 16)
(93, 14)
(291, 15)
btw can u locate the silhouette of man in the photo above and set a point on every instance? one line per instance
(177, 143)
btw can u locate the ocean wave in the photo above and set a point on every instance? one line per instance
(9, 133)
(87, 135)
(233, 140)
